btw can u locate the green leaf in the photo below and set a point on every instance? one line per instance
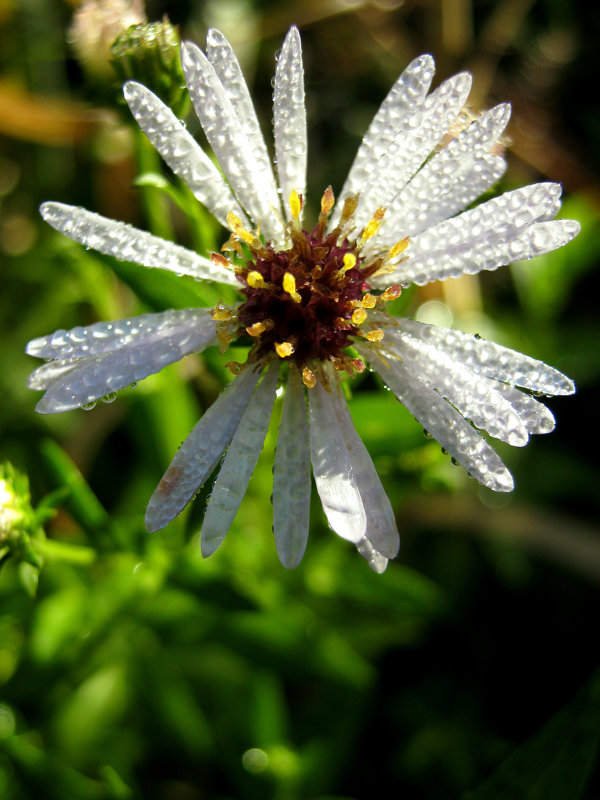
(556, 762)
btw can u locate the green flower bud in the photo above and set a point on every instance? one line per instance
(149, 54)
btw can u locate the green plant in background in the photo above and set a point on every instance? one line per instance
(141, 670)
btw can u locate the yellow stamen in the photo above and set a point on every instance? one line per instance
(375, 336)
(399, 247)
(221, 313)
(372, 226)
(234, 223)
(220, 261)
(369, 301)
(255, 280)
(349, 262)
(391, 293)
(327, 202)
(289, 287)
(349, 208)
(359, 315)
(308, 378)
(295, 204)
(284, 349)
(256, 329)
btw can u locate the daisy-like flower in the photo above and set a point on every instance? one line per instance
(313, 297)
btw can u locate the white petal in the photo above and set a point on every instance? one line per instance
(289, 118)
(475, 396)
(291, 476)
(181, 151)
(407, 93)
(413, 144)
(47, 374)
(491, 235)
(445, 424)
(374, 559)
(130, 244)
(492, 359)
(200, 453)
(332, 468)
(381, 530)
(220, 54)
(95, 376)
(536, 417)
(102, 337)
(254, 189)
(238, 465)
(450, 181)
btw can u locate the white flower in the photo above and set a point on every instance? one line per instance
(308, 296)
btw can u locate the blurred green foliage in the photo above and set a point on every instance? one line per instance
(133, 668)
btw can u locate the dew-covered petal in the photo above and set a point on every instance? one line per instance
(536, 417)
(381, 530)
(224, 61)
(127, 243)
(333, 470)
(181, 151)
(102, 337)
(412, 145)
(503, 230)
(200, 453)
(44, 376)
(406, 94)
(291, 476)
(255, 190)
(95, 376)
(289, 118)
(238, 465)
(444, 423)
(474, 395)
(374, 559)
(492, 359)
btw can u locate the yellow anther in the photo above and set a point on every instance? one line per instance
(220, 261)
(256, 329)
(349, 208)
(234, 223)
(375, 336)
(369, 301)
(399, 247)
(255, 280)
(349, 262)
(391, 293)
(289, 287)
(295, 204)
(327, 202)
(359, 315)
(372, 226)
(308, 378)
(220, 313)
(284, 349)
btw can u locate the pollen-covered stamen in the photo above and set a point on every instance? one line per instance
(371, 227)
(289, 287)
(284, 349)
(359, 315)
(309, 378)
(255, 280)
(260, 327)
(220, 261)
(327, 203)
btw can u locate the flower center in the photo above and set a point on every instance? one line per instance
(308, 301)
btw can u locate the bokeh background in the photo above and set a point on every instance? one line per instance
(130, 667)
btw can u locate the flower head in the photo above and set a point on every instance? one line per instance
(313, 297)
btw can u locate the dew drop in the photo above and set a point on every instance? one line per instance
(110, 397)
(89, 406)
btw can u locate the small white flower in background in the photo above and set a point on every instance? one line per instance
(308, 294)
